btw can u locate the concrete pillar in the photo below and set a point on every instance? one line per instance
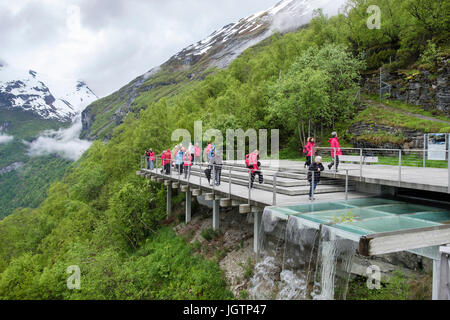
(188, 205)
(257, 216)
(436, 278)
(216, 211)
(169, 200)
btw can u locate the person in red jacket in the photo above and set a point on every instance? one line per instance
(167, 161)
(150, 157)
(335, 151)
(309, 148)
(251, 160)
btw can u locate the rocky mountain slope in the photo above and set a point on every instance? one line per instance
(47, 97)
(194, 62)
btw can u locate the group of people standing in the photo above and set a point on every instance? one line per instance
(184, 158)
(317, 167)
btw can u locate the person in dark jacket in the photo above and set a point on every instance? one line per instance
(216, 163)
(315, 168)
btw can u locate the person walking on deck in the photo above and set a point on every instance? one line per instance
(315, 168)
(150, 157)
(216, 163)
(309, 148)
(187, 159)
(147, 159)
(335, 151)
(197, 154)
(191, 150)
(179, 161)
(208, 151)
(254, 165)
(166, 160)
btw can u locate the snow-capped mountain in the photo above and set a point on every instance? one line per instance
(45, 96)
(224, 45)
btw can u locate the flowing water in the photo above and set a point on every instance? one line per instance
(306, 251)
(299, 260)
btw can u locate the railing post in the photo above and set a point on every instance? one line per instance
(249, 187)
(312, 183)
(360, 164)
(346, 184)
(424, 150)
(275, 188)
(399, 167)
(335, 162)
(229, 183)
(448, 172)
(213, 178)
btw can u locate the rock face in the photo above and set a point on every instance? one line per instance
(12, 167)
(218, 50)
(428, 88)
(407, 138)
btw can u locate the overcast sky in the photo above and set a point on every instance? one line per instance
(108, 43)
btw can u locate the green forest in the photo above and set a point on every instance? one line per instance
(111, 223)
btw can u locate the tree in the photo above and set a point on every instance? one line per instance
(319, 88)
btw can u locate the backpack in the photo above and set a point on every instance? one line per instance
(247, 160)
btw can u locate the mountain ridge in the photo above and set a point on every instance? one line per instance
(194, 62)
(49, 98)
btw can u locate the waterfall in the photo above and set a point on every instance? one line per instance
(300, 260)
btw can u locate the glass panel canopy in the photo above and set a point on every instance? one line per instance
(368, 215)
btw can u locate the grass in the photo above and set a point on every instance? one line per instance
(27, 125)
(398, 288)
(210, 234)
(398, 104)
(379, 116)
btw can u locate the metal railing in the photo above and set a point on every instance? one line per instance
(401, 159)
(201, 166)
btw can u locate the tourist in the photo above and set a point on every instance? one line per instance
(216, 163)
(335, 151)
(197, 154)
(167, 161)
(187, 163)
(191, 150)
(179, 160)
(208, 151)
(147, 159)
(316, 167)
(309, 148)
(251, 160)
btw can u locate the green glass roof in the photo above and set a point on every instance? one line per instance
(365, 216)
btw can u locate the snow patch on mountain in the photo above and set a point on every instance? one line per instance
(224, 45)
(48, 97)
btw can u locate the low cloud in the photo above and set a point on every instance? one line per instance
(64, 142)
(5, 138)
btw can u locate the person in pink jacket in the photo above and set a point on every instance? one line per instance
(187, 163)
(309, 148)
(335, 150)
(254, 165)
(197, 154)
